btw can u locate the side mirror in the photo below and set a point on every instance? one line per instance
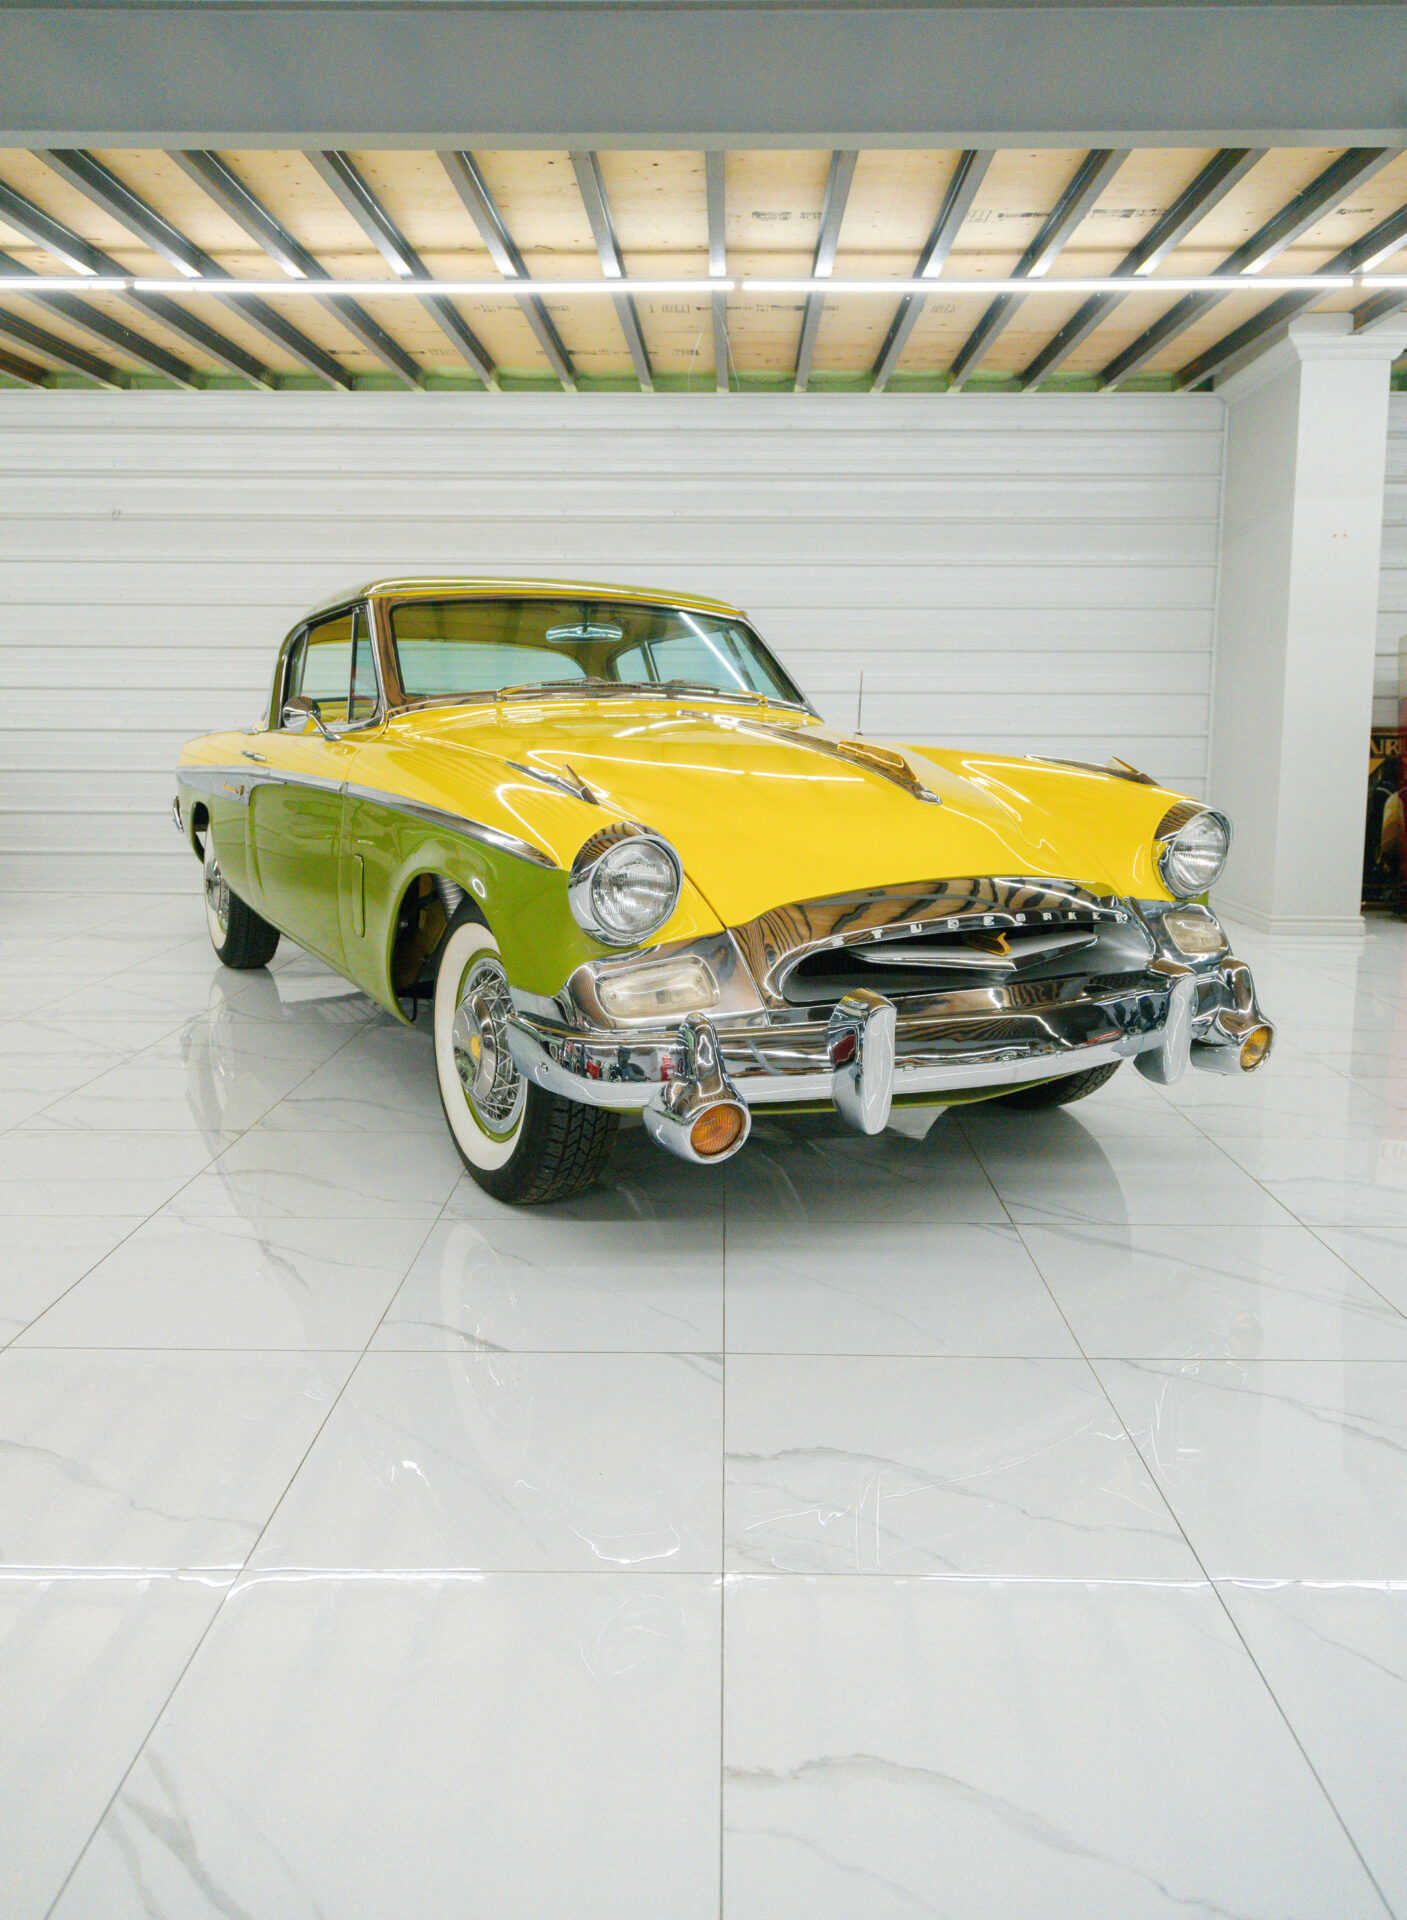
(297, 708)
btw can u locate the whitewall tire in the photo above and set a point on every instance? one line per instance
(240, 937)
(520, 1143)
(483, 1093)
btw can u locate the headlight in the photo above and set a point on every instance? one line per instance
(1192, 847)
(683, 985)
(624, 885)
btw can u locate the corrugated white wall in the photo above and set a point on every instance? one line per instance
(1392, 595)
(1026, 573)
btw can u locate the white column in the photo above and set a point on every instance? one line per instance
(1292, 698)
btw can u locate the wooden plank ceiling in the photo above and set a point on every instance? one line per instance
(378, 216)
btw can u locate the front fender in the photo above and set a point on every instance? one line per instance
(525, 904)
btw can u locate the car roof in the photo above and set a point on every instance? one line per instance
(415, 587)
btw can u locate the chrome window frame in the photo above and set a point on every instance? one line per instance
(361, 605)
(398, 701)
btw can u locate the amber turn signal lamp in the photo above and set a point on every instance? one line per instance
(715, 1131)
(1255, 1047)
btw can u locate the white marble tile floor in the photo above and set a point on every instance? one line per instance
(1006, 1516)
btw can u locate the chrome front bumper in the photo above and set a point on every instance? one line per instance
(871, 1052)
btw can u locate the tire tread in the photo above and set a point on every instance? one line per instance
(1058, 1093)
(250, 942)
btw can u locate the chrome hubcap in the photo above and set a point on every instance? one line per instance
(217, 893)
(492, 1085)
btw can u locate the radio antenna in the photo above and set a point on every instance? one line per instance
(860, 702)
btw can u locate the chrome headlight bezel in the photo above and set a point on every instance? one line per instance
(1174, 835)
(585, 891)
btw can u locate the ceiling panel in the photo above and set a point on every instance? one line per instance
(658, 206)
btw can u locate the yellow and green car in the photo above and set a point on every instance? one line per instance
(601, 840)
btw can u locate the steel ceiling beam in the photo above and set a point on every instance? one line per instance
(79, 313)
(337, 170)
(1257, 330)
(15, 327)
(716, 197)
(103, 188)
(1326, 191)
(210, 173)
(1380, 307)
(468, 181)
(1221, 173)
(968, 175)
(593, 194)
(1089, 180)
(838, 181)
(27, 371)
(67, 355)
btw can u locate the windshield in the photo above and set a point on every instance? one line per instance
(477, 646)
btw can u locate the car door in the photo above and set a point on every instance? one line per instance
(295, 806)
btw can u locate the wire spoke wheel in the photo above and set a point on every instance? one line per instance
(520, 1143)
(494, 1090)
(217, 892)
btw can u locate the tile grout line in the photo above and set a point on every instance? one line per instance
(723, 1557)
(147, 1220)
(1347, 1226)
(1213, 1584)
(233, 1583)
(1215, 1589)
(141, 1746)
(1334, 1253)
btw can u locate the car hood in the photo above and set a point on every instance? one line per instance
(766, 807)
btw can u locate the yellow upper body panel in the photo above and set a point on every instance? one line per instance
(754, 797)
(760, 812)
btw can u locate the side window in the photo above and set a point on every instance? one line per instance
(288, 671)
(630, 664)
(324, 667)
(697, 656)
(362, 704)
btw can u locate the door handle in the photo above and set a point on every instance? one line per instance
(262, 758)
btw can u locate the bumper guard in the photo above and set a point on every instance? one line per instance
(871, 1052)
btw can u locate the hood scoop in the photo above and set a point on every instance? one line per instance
(980, 952)
(868, 754)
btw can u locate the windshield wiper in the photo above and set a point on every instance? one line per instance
(589, 683)
(749, 694)
(595, 684)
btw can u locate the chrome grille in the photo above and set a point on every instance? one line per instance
(946, 936)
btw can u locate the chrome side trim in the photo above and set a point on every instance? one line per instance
(237, 783)
(455, 823)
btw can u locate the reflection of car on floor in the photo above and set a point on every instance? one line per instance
(601, 832)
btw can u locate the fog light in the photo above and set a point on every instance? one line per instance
(668, 986)
(715, 1131)
(1194, 931)
(1255, 1047)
